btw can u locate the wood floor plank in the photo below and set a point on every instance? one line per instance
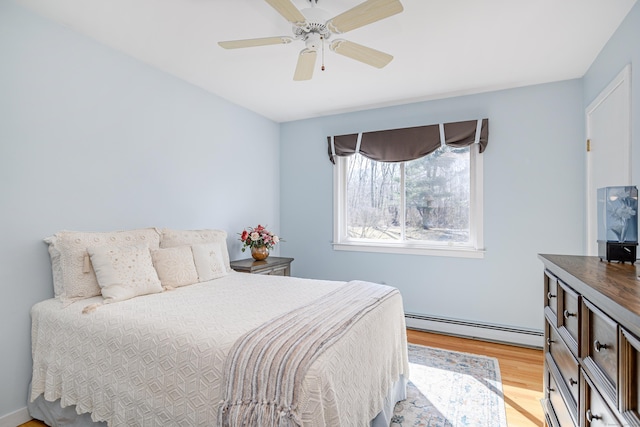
(520, 369)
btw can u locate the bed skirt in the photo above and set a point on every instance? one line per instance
(52, 414)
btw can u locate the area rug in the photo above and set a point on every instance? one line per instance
(451, 389)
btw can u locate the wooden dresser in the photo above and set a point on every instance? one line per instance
(592, 342)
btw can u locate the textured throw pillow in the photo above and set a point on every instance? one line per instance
(175, 266)
(124, 272)
(73, 275)
(209, 261)
(171, 238)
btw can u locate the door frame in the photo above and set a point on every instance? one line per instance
(623, 78)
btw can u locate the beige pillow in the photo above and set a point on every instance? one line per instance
(73, 275)
(209, 261)
(171, 238)
(124, 272)
(175, 266)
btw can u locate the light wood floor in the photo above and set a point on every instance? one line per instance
(520, 368)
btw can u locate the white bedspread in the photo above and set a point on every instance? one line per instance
(159, 359)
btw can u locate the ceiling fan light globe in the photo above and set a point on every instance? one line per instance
(313, 41)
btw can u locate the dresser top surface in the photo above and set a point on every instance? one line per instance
(614, 285)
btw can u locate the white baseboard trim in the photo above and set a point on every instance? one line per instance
(468, 329)
(15, 418)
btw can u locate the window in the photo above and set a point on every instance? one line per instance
(430, 205)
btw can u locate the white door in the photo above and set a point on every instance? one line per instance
(608, 120)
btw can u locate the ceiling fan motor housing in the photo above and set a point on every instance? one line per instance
(314, 29)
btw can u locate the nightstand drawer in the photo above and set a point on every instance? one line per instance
(600, 349)
(278, 271)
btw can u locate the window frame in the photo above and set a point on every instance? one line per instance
(473, 249)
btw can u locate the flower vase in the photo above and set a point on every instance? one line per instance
(259, 253)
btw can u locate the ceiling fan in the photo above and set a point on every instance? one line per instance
(314, 26)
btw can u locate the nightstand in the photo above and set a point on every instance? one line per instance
(273, 265)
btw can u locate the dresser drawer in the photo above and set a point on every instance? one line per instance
(600, 349)
(551, 297)
(630, 378)
(556, 407)
(566, 363)
(596, 412)
(569, 317)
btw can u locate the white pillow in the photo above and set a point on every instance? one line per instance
(209, 261)
(175, 266)
(124, 272)
(73, 275)
(171, 238)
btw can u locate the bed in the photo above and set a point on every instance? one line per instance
(236, 349)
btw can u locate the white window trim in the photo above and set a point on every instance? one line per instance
(475, 249)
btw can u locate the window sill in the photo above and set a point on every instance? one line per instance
(454, 252)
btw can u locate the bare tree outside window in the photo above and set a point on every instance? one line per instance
(427, 199)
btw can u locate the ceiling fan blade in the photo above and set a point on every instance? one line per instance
(363, 14)
(288, 11)
(306, 63)
(265, 41)
(361, 53)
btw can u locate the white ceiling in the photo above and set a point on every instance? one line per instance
(441, 48)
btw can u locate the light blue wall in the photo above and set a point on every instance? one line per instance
(623, 48)
(533, 203)
(93, 140)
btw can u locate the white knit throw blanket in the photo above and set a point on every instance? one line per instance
(265, 368)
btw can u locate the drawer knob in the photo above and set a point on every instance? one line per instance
(591, 417)
(597, 345)
(572, 381)
(567, 314)
(550, 295)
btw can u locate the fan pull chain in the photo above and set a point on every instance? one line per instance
(322, 38)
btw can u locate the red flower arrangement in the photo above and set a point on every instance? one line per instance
(257, 237)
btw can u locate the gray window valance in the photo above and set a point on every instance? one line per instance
(401, 145)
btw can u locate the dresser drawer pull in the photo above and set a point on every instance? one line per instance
(597, 345)
(591, 417)
(567, 314)
(572, 382)
(550, 295)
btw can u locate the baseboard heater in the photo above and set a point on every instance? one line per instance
(475, 330)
